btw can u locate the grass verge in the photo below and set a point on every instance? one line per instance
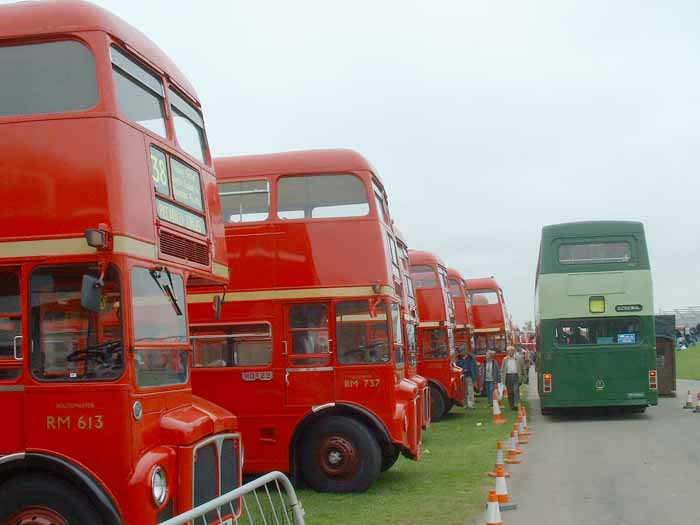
(447, 486)
(688, 363)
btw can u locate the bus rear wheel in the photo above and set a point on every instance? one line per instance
(340, 455)
(438, 404)
(389, 459)
(35, 499)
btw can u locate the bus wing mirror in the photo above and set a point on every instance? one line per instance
(91, 293)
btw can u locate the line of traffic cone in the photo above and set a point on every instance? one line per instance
(689, 401)
(499, 498)
(498, 418)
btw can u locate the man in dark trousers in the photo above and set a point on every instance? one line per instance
(467, 363)
(514, 371)
(490, 375)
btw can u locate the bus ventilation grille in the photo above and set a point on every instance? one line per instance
(184, 248)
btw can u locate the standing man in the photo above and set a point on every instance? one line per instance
(490, 375)
(463, 361)
(514, 371)
(524, 356)
(470, 373)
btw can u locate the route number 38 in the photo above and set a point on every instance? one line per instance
(159, 171)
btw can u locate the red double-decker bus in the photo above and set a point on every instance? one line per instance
(436, 344)
(109, 209)
(491, 325)
(309, 351)
(410, 321)
(464, 324)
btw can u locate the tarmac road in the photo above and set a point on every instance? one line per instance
(610, 468)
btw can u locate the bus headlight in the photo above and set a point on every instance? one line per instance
(159, 486)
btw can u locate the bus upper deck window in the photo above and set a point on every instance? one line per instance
(245, 201)
(50, 77)
(423, 276)
(595, 253)
(321, 196)
(189, 126)
(139, 92)
(483, 297)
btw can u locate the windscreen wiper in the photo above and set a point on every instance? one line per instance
(167, 289)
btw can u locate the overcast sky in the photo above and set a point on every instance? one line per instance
(485, 120)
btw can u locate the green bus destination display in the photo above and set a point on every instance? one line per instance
(171, 213)
(187, 187)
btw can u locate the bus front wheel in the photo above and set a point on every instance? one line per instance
(438, 404)
(340, 455)
(34, 499)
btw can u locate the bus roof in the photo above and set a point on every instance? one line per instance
(576, 229)
(555, 234)
(291, 162)
(453, 273)
(423, 257)
(482, 283)
(32, 18)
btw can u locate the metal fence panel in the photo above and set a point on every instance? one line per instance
(267, 500)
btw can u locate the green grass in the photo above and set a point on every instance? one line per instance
(688, 363)
(448, 486)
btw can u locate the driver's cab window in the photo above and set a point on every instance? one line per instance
(308, 331)
(435, 344)
(10, 326)
(69, 342)
(362, 332)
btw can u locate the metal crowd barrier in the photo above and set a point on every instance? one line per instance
(267, 500)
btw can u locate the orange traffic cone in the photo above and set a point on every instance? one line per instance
(498, 418)
(499, 461)
(521, 439)
(697, 405)
(493, 512)
(523, 412)
(689, 401)
(522, 431)
(504, 502)
(512, 457)
(501, 486)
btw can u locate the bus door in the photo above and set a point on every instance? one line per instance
(11, 358)
(309, 373)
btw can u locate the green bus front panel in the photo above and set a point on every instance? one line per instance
(589, 376)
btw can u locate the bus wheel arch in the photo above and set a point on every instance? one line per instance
(372, 435)
(439, 401)
(67, 477)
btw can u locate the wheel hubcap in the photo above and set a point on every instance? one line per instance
(37, 516)
(338, 457)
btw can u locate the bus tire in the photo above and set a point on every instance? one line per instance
(388, 460)
(37, 498)
(545, 411)
(340, 455)
(438, 404)
(450, 406)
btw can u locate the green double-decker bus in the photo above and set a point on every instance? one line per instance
(594, 317)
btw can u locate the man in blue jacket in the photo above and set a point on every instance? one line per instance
(467, 363)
